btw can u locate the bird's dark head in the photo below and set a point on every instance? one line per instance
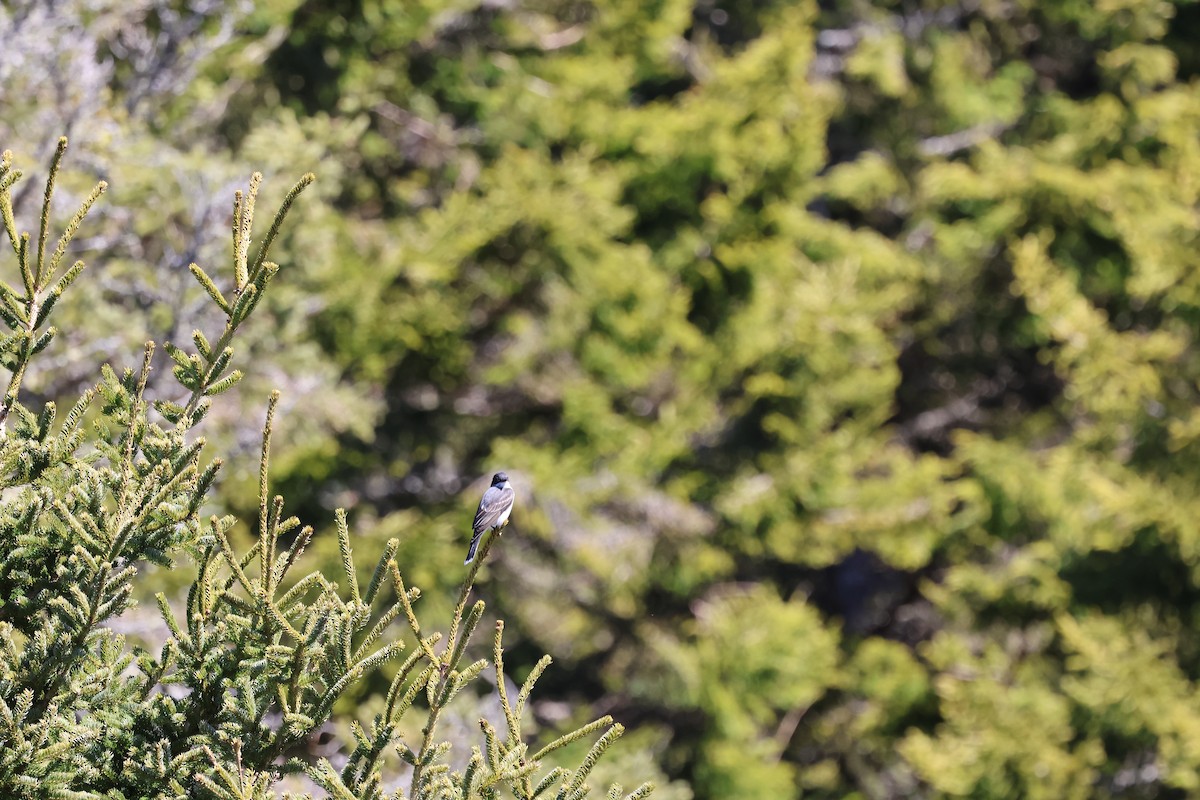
(499, 478)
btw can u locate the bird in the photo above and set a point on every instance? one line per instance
(493, 511)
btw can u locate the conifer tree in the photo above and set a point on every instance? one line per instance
(257, 657)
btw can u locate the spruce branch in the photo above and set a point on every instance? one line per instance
(72, 227)
(553, 777)
(245, 221)
(213, 292)
(452, 654)
(574, 789)
(249, 285)
(641, 792)
(573, 736)
(381, 570)
(514, 728)
(344, 547)
(277, 222)
(26, 314)
(44, 227)
(266, 543)
(530, 680)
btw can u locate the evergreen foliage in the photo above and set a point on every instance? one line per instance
(254, 662)
(843, 354)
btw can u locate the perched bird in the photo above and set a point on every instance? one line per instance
(493, 511)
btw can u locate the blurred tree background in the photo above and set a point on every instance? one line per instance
(842, 354)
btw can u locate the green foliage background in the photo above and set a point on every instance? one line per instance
(842, 354)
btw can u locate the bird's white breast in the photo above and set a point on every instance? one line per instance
(503, 518)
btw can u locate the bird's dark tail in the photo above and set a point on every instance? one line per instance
(474, 544)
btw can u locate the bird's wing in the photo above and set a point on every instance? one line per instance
(493, 505)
